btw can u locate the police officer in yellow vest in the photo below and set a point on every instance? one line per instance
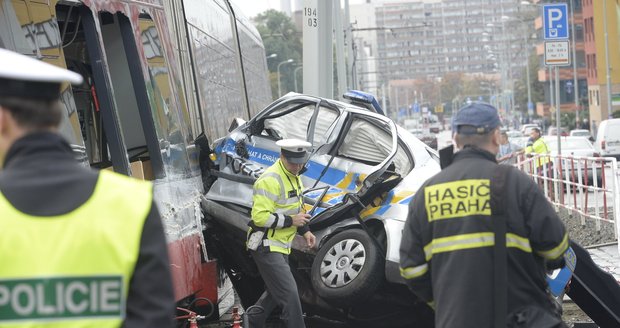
(538, 147)
(78, 248)
(277, 215)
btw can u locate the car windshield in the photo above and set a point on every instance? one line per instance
(580, 133)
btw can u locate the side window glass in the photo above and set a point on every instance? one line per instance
(159, 88)
(365, 142)
(368, 143)
(324, 121)
(31, 28)
(168, 126)
(293, 124)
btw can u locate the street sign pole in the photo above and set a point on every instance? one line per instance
(555, 26)
(557, 106)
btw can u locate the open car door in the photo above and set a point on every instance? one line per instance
(364, 153)
(251, 148)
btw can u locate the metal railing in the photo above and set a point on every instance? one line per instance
(584, 186)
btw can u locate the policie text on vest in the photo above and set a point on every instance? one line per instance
(61, 298)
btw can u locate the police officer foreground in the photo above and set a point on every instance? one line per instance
(78, 248)
(447, 248)
(277, 215)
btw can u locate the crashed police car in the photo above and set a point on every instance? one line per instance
(361, 175)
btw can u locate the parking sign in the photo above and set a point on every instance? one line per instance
(555, 21)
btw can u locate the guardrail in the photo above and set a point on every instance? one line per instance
(587, 186)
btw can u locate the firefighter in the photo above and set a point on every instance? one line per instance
(277, 215)
(447, 247)
(79, 248)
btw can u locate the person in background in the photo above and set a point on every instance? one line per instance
(508, 151)
(536, 146)
(86, 247)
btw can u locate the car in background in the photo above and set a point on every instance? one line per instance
(514, 134)
(578, 147)
(526, 129)
(608, 138)
(580, 133)
(426, 136)
(553, 131)
(362, 173)
(519, 141)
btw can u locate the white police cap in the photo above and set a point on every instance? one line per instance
(294, 150)
(23, 76)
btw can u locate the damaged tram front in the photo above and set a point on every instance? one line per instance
(158, 76)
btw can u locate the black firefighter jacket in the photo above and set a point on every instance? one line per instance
(446, 253)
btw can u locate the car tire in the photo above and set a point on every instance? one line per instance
(348, 269)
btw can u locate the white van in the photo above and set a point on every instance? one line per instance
(608, 138)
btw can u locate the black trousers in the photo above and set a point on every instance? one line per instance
(281, 290)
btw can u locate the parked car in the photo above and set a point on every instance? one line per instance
(608, 138)
(526, 129)
(362, 174)
(553, 131)
(519, 141)
(580, 133)
(514, 134)
(430, 139)
(572, 168)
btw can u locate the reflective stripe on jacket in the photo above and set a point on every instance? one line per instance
(277, 196)
(73, 270)
(539, 147)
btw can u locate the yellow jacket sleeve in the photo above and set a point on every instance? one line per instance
(266, 191)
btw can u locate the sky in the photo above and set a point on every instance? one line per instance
(252, 8)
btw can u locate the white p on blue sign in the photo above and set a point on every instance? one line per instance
(555, 21)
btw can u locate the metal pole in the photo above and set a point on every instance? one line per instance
(340, 62)
(607, 59)
(575, 87)
(351, 56)
(279, 85)
(278, 69)
(397, 111)
(551, 92)
(557, 107)
(527, 71)
(295, 76)
(383, 99)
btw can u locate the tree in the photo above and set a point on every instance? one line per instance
(536, 87)
(280, 37)
(451, 87)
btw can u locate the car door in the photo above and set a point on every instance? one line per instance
(249, 150)
(366, 147)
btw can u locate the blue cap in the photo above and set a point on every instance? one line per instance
(476, 118)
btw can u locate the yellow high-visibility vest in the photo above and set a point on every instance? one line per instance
(277, 193)
(539, 147)
(73, 270)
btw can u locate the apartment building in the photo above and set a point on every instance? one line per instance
(596, 52)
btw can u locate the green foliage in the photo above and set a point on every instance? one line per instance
(536, 87)
(456, 88)
(280, 37)
(616, 114)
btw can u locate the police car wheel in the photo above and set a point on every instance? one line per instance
(348, 268)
